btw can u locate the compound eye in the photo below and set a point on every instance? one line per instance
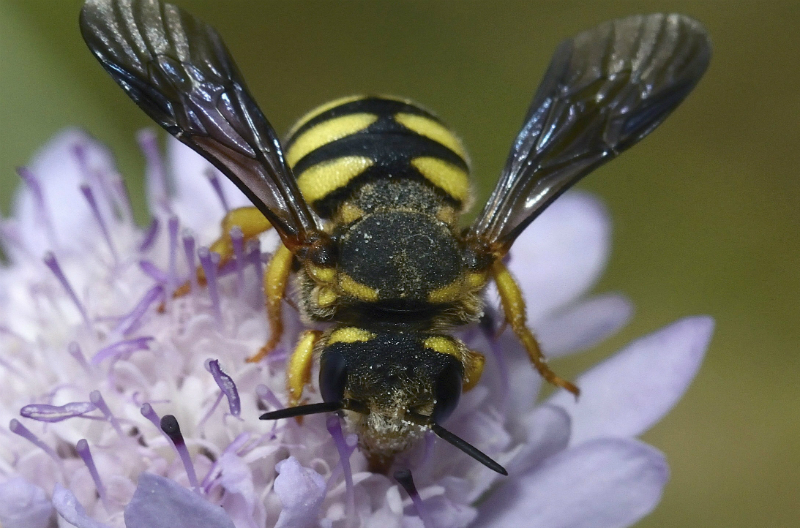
(332, 375)
(448, 392)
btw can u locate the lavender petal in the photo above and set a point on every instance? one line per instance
(626, 394)
(301, 491)
(70, 509)
(23, 505)
(605, 483)
(163, 503)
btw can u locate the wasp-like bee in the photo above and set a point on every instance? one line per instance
(366, 194)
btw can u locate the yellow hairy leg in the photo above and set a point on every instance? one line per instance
(251, 222)
(514, 308)
(275, 280)
(298, 369)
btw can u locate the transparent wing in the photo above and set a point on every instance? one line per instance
(605, 89)
(178, 70)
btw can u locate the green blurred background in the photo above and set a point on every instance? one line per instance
(705, 210)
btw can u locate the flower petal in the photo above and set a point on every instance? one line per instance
(629, 392)
(605, 483)
(583, 325)
(195, 201)
(547, 432)
(163, 503)
(561, 255)
(23, 505)
(71, 510)
(301, 491)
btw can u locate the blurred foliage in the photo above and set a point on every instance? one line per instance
(705, 211)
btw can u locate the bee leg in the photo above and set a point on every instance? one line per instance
(514, 308)
(249, 220)
(275, 281)
(473, 368)
(298, 369)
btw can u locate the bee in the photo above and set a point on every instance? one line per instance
(366, 195)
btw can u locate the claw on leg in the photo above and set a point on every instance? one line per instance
(514, 308)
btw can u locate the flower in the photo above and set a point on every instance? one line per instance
(128, 407)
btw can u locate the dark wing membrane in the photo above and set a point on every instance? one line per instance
(178, 70)
(605, 89)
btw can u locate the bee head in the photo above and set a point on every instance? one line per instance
(395, 386)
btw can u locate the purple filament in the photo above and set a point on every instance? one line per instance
(56, 413)
(74, 350)
(122, 348)
(17, 428)
(172, 228)
(266, 394)
(153, 272)
(123, 197)
(156, 180)
(97, 399)
(51, 262)
(150, 235)
(171, 428)
(237, 241)
(189, 250)
(89, 195)
(403, 476)
(210, 261)
(82, 447)
(38, 198)
(334, 426)
(226, 385)
(130, 322)
(213, 178)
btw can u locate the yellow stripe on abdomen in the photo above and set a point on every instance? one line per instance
(446, 176)
(326, 132)
(318, 181)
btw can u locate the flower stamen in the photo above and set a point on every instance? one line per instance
(209, 260)
(172, 429)
(51, 262)
(16, 427)
(82, 447)
(97, 399)
(90, 198)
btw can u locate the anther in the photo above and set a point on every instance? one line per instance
(403, 476)
(130, 322)
(122, 348)
(171, 428)
(226, 385)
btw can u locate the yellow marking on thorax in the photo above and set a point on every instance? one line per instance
(349, 213)
(320, 180)
(476, 280)
(444, 175)
(350, 334)
(447, 215)
(356, 289)
(447, 293)
(429, 128)
(443, 345)
(326, 132)
(322, 109)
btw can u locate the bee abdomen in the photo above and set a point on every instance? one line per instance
(337, 148)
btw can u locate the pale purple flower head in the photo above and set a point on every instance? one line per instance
(123, 406)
